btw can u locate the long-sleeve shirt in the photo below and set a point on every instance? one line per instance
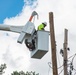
(41, 27)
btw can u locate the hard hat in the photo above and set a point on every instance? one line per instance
(45, 23)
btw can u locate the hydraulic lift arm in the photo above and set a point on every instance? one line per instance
(16, 29)
(29, 28)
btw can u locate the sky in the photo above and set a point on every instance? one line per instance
(17, 13)
(10, 8)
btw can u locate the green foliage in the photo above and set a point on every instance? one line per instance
(31, 73)
(15, 73)
(22, 73)
(2, 67)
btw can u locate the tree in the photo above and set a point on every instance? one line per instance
(2, 67)
(15, 73)
(31, 73)
(23, 73)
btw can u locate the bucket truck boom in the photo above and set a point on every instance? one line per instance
(28, 29)
(37, 43)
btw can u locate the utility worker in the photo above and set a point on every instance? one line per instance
(42, 26)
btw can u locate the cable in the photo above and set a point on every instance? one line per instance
(75, 72)
(60, 67)
(61, 71)
(49, 65)
(48, 70)
(52, 67)
(74, 69)
(72, 56)
(71, 64)
(58, 58)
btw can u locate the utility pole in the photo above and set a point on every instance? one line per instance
(53, 44)
(65, 51)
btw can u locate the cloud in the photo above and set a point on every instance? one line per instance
(22, 18)
(64, 17)
(7, 57)
(31, 3)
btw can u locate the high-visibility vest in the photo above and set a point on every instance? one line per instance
(40, 27)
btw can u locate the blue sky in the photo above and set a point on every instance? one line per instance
(17, 12)
(10, 8)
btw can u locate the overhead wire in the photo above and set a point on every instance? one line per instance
(74, 69)
(71, 64)
(58, 58)
(72, 56)
(61, 71)
(49, 63)
(48, 70)
(52, 67)
(75, 72)
(49, 67)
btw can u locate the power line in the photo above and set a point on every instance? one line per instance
(49, 63)
(61, 71)
(52, 67)
(71, 66)
(48, 70)
(58, 58)
(72, 56)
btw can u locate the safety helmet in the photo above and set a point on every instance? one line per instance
(45, 23)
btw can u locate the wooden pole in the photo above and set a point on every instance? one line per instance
(65, 52)
(53, 44)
